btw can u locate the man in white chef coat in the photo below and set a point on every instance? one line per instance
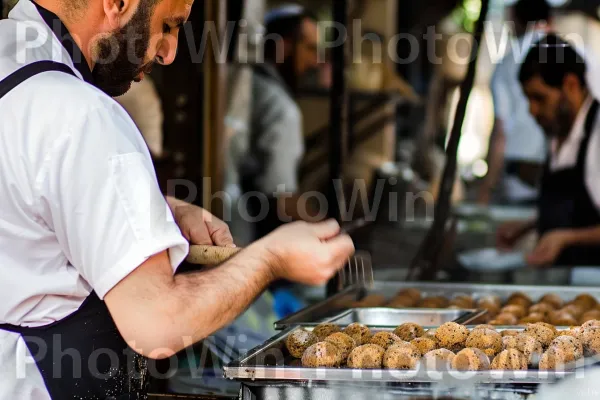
(554, 80)
(88, 244)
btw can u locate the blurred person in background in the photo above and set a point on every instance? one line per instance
(517, 147)
(553, 77)
(275, 138)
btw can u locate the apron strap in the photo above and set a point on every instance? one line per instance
(30, 70)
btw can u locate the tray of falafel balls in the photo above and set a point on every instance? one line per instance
(505, 304)
(531, 354)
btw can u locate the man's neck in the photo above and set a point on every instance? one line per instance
(577, 106)
(79, 30)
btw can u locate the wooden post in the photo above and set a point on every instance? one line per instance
(215, 98)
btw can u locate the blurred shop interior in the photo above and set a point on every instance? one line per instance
(376, 116)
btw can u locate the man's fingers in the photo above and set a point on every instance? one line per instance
(199, 234)
(327, 229)
(341, 247)
(222, 237)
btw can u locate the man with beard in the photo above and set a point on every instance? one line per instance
(553, 79)
(88, 244)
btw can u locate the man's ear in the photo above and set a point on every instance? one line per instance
(571, 85)
(115, 11)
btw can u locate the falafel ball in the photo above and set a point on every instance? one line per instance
(509, 332)
(343, 342)
(544, 334)
(530, 347)
(471, 359)
(322, 354)
(590, 339)
(532, 318)
(591, 315)
(542, 308)
(520, 299)
(367, 356)
(413, 293)
(585, 301)
(569, 348)
(552, 299)
(359, 332)
(438, 360)
(300, 340)
(323, 330)
(487, 340)
(484, 326)
(385, 339)
(451, 335)
(425, 344)
(515, 309)
(409, 331)
(402, 302)
(551, 360)
(511, 359)
(402, 356)
(504, 319)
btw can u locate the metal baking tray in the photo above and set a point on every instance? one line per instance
(272, 362)
(391, 317)
(324, 310)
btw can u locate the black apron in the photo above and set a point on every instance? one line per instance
(82, 356)
(565, 203)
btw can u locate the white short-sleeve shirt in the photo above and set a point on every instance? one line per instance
(80, 207)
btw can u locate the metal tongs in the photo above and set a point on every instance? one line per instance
(358, 271)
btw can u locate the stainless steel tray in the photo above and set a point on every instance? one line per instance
(391, 317)
(271, 362)
(330, 307)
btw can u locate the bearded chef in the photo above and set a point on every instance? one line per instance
(553, 79)
(88, 244)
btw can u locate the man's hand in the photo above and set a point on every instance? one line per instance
(549, 247)
(307, 253)
(199, 226)
(510, 232)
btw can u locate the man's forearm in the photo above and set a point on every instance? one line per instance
(211, 299)
(583, 236)
(186, 308)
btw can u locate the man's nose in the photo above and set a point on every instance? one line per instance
(167, 50)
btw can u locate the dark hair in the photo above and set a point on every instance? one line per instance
(553, 59)
(286, 27)
(526, 11)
